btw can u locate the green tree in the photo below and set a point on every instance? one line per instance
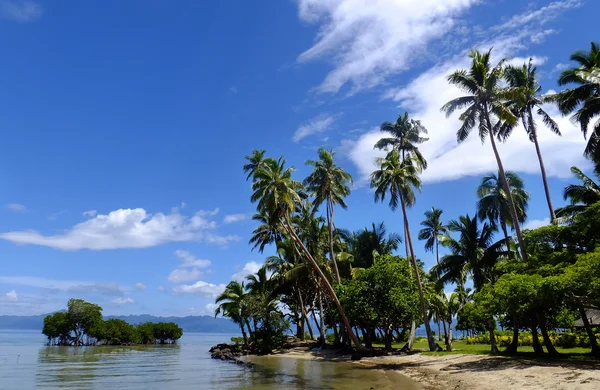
(583, 100)
(83, 316)
(525, 89)
(278, 195)
(57, 326)
(433, 228)
(232, 304)
(493, 203)
(268, 232)
(362, 244)
(146, 332)
(484, 101)
(580, 196)
(329, 184)
(398, 179)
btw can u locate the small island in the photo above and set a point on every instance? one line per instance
(82, 325)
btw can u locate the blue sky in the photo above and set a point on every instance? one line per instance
(125, 125)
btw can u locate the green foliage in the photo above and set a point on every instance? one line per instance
(57, 327)
(167, 332)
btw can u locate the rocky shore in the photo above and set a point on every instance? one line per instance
(231, 353)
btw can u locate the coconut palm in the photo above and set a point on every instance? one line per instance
(254, 162)
(398, 179)
(483, 103)
(432, 229)
(266, 233)
(525, 89)
(474, 253)
(580, 196)
(405, 136)
(583, 100)
(362, 243)
(232, 302)
(278, 195)
(330, 184)
(493, 201)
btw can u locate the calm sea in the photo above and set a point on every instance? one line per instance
(26, 363)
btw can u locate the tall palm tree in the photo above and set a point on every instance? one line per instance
(254, 162)
(406, 134)
(583, 100)
(232, 302)
(580, 196)
(484, 100)
(398, 179)
(493, 202)
(268, 232)
(330, 184)
(474, 253)
(278, 195)
(432, 229)
(526, 98)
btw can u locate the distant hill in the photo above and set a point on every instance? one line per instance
(206, 324)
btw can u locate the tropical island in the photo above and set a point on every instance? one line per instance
(517, 293)
(82, 325)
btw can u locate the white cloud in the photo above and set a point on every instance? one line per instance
(189, 260)
(140, 286)
(123, 301)
(182, 275)
(16, 207)
(127, 228)
(73, 286)
(424, 96)
(89, 213)
(231, 218)
(54, 217)
(177, 209)
(250, 268)
(20, 10)
(541, 36)
(200, 288)
(161, 288)
(519, 61)
(540, 16)
(316, 125)
(536, 223)
(367, 41)
(560, 67)
(12, 296)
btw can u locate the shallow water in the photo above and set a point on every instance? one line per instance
(26, 363)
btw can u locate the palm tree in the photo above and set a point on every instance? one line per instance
(484, 100)
(583, 100)
(525, 88)
(474, 253)
(232, 302)
(432, 229)
(330, 184)
(362, 244)
(580, 196)
(493, 202)
(398, 179)
(278, 195)
(255, 160)
(268, 232)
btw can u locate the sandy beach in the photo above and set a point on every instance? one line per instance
(483, 372)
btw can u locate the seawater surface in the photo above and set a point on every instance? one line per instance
(26, 363)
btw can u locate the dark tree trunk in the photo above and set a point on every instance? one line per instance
(491, 328)
(331, 252)
(544, 328)
(537, 347)
(514, 343)
(439, 331)
(542, 168)
(588, 329)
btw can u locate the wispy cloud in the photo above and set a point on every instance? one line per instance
(20, 10)
(128, 228)
(90, 213)
(200, 288)
(536, 223)
(540, 16)
(54, 217)
(12, 296)
(316, 125)
(140, 286)
(123, 301)
(73, 286)
(16, 207)
(232, 218)
(182, 275)
(189, 260)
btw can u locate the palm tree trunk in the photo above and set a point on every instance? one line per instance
(431, 341)
(439, 331)
(437, 251)
(511, 203)
(325, 282)
(445, 333)
(321, 320)
(244, 332)
(505, 231)
(542, 168)
(449, 336)
(331, 252)
(588, 329)
(491, 328)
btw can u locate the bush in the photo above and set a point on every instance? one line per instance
(237, 340)
(559, 339)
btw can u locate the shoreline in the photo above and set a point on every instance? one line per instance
(468, 371)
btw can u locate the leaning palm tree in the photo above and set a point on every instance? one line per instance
(493, 201)
(278, 195)
(526, 98)
(432, 229)
(483, 103)
(330, 184)
(583, 100)
(474, 253)
(254, 162)
(398, 179)
(232, 302)
(580, 196)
